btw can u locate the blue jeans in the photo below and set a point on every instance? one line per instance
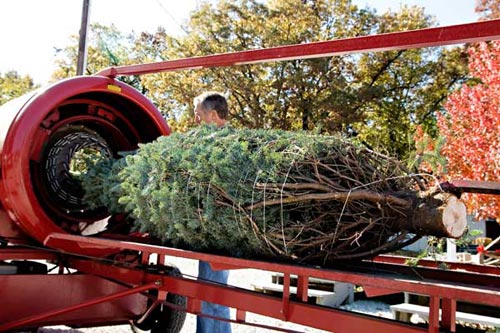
(208, 325)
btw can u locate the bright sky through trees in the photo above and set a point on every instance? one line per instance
(31, 31)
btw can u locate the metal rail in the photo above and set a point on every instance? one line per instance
(440, 36)
(471, 186)
(369, 274)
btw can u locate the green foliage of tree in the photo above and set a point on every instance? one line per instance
(488, 9)
(301, 94)
(13, 85)
(260, 193)
(106, 47)
(407, 87)
(381, 96)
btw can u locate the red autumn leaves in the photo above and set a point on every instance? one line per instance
(471, 128)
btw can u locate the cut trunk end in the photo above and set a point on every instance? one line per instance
(454, 217)
(440, 215)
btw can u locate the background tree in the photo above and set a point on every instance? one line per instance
(106, 47)
(380, 96)
(488, 9)
(289, 95)
(471, 124)
(468, 126)
(408, 87)
(13, 85)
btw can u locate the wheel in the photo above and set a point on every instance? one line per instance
(169, 320)
(165, 319)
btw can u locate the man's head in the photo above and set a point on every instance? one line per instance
(211, 108)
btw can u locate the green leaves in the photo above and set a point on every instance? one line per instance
(13, 85)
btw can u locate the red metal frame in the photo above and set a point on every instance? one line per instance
(472, 186)
(479, 294)
(482, 270)
(440, 36)
(114, 282)
(439, 288)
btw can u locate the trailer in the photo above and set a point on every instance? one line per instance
(109, 277)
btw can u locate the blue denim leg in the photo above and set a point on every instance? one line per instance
(207, 325)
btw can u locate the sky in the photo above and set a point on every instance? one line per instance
(32, 30)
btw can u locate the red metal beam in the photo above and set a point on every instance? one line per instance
(472, 186)
(481, 269)
(26, 254)
(434, 315)
(440, 36)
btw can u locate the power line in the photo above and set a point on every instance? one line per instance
(172, 17)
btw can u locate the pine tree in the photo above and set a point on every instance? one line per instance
(270, 194)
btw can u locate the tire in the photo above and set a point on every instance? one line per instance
(170, 321)
(165, 319)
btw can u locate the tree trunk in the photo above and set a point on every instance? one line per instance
(438, 214)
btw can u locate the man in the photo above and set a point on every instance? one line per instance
(211, 108)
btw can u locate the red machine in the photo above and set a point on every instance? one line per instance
(107, 276)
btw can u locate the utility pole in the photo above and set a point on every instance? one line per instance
(82, 45)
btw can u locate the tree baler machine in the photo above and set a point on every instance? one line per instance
(103, 276)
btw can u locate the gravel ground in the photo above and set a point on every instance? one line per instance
(241, 278)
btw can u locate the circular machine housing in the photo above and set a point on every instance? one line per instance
(42, 132)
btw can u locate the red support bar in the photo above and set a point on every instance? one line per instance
(434, 314)
(162, 295)
(449, 314)
(160, 260)
(440, 36)
(472, 186)
(374, 291)
(145, 257)
(302, 288)
(217, 266)
(303, 314)
(286, 296)
(193, 305)
(250, 301)
(399, 260)
(241, 315)
(23, 254)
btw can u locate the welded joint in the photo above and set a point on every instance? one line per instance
(241, 316)
(145, 258)
(193, 305)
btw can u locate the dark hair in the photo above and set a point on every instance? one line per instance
(213, 100)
